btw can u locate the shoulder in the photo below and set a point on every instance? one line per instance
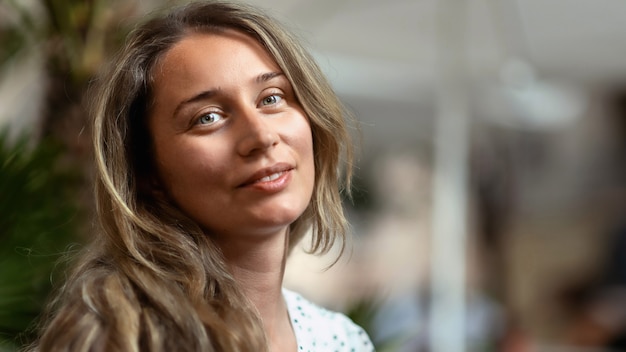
(317, 328)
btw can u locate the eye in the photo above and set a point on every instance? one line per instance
(209, 118)
(271, 100)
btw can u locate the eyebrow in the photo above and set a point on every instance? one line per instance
(268, 76)
(207, 94)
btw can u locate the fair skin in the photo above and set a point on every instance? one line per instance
(234, 151)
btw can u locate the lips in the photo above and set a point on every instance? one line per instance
(267, 174)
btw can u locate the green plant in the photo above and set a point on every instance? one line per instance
(38, 199)
(38, 221)
(74, 38)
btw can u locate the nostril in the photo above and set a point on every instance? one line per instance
(255, 141)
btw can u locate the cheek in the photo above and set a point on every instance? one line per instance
(185, 170)
(303, 142)
(306, 150)
(307, 145)
(189, 183)
(303, 135)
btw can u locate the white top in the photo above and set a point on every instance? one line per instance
(318, 329)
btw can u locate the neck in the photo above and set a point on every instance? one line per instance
(258, 267)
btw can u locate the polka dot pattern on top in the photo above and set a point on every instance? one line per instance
(318, 329)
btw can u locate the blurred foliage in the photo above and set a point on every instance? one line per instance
(75, 36)
(38, 223)
(39, 199)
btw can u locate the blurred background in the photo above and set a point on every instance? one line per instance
(489, 208)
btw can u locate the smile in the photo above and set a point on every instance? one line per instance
(271, 177)
(271, 183)
(274, 174)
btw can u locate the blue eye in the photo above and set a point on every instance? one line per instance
(271, 100)
(209, 118)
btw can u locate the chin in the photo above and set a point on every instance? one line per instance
(281, 215)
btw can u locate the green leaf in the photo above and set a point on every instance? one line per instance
(39, 221)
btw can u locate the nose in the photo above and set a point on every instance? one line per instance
(257, 134)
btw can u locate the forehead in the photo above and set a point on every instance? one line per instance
(203, 64)
(223, 52)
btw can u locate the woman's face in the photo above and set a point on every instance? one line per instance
(232, 144)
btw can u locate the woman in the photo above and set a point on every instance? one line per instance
(218, 143)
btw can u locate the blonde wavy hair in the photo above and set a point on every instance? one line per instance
(152, 280)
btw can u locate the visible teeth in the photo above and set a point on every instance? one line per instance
(271, 177)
